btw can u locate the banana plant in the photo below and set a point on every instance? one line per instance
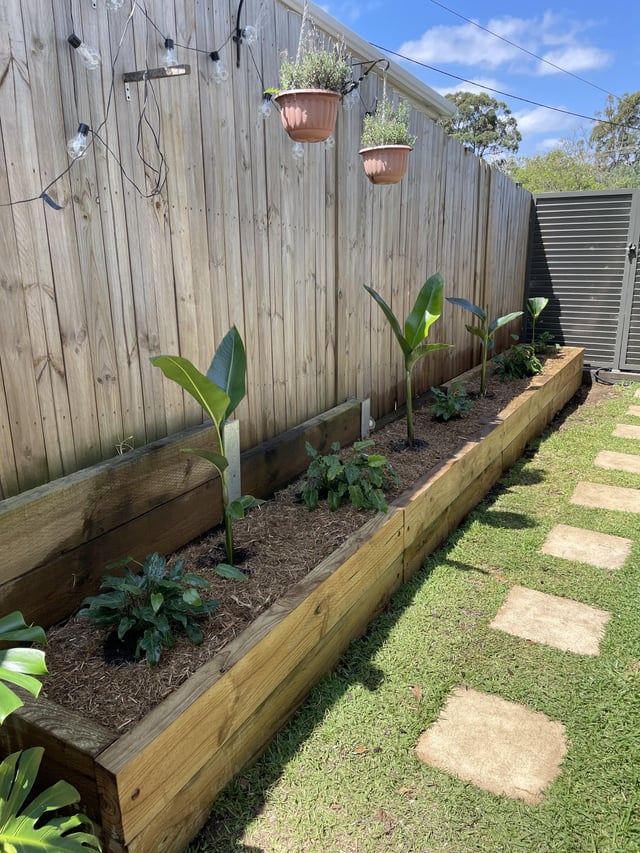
(535, 306)
(26, 828)
(219, 393)
(484, 330)
(425, 312)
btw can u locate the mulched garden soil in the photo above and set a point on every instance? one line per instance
(282, 541)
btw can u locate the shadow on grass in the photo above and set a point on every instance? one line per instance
(245, 797)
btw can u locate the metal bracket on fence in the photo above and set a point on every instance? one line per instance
(231, 438)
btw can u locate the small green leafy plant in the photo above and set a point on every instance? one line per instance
(426, 310)
(317, 66)
(388, 125)
(518, 362)
(30, 826)
(219, 393)
(451, 403)
(484, 330)
(359, 477)
(146, 608)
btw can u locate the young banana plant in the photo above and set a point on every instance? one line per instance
(484, 330)
(219, 393)
(535, 306)
(425, 312)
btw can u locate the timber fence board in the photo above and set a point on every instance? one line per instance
(239, 232)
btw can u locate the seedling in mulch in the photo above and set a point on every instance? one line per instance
(359, 477)
(145, 609)
(518, 362)
(451, 403)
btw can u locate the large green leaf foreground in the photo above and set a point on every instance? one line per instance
(22, 829)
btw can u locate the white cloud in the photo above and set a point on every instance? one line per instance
(550, 144)
(540, 120)
(482, 85)
(552, 37)
(575, 58)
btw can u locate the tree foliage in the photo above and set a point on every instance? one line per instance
(482, 124)
(616, 138)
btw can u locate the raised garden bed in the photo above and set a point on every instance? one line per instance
(152, 788)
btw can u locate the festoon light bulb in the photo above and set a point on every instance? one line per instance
(77, 145)
(220, 73)
(249, 35)
(170, 60)
(87, 55)
(265, 107)
(113, 5)
(351, 98)
(297, 150)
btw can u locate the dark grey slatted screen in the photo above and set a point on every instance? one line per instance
(632, 357)
(578, 262)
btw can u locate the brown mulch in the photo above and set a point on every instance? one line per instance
(282, 540)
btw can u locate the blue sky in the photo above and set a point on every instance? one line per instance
(595, 41)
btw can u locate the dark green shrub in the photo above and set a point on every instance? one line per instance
(359, 477)
(146, 608)
(518, 362)
(451, 403)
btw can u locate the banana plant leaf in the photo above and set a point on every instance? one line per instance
(213, 399)
(229, 368)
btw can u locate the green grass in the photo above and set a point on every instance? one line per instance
(343, 775)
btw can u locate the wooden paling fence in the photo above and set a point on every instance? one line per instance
(239, 233)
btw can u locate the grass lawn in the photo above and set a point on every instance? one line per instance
(343, 776)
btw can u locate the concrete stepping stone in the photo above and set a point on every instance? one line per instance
(637, 394)
(634, 410)
(599, 496)
(558, 622)
(499, 746)
(587, 546)
(626, 431)
(629, 462)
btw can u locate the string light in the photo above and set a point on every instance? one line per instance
(351, 98)
(329, 143)
(87, 55)
(265, 109)
(77, 145)
(170, 60)
(113, 5)
(220, 73)
(297, 151)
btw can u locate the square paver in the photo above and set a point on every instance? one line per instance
(629, 462)
(587, 546)
(627, 431)
(498, 746)
(634, 410)
(558, 622)
(599, 496)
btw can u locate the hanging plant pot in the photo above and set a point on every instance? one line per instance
(308, 115)
(386, 164)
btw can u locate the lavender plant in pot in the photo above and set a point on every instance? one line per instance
(311, 87)
(386, 142)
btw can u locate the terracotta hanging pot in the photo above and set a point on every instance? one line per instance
(386, 164)
(308, 115)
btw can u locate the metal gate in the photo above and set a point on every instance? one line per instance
(584, 259)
